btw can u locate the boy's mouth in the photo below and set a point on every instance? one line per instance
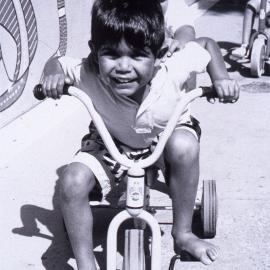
(123, 81)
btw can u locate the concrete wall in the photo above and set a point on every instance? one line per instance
(32, 31)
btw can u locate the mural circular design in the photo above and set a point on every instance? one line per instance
(18, 23)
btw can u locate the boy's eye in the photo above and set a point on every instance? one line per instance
(108, 52)
(141, 53)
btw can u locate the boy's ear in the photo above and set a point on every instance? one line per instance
(162, 52)
(93, 50)
(160, 55)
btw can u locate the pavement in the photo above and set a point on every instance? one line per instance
(234, 151)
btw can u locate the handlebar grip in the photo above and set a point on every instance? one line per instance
(38, 93)
(209, 92)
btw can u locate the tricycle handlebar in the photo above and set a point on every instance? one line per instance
(38, 93)
(105, 135)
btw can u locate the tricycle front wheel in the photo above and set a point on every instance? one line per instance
(134, 257)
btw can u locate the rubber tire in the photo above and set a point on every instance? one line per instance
(134, 257)
(257, 59)
(209, 208)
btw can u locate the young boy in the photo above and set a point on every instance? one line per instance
(252, 9)
(135, 94)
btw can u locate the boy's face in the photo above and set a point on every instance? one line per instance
(125, 70)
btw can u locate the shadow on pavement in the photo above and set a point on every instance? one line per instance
(59, 252)
(224, 6)
(234, 65)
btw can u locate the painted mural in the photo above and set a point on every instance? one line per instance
(19, 39)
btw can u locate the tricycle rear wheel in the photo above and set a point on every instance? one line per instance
(208, 208)
(258, 57)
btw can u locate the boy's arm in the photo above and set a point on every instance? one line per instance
(182, 35)
(226, 88)
(216, 67)
(54, 79)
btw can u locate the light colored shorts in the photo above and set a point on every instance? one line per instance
(107, 171)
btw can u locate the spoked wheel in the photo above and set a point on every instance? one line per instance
(134, 258)
(258, 57)
(209, 208)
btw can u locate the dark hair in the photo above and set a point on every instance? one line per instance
(139, 22)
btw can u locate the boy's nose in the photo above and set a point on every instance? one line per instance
(123, 65)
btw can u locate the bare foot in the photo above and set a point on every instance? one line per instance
(201, 250)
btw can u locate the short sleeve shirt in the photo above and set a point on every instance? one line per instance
(133, 124)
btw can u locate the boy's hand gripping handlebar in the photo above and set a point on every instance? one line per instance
(105, 135)
(207, 92)
(39, 95)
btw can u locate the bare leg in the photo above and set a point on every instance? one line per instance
(248, 22)
(247, 25)
(182, 155)
(75, 185)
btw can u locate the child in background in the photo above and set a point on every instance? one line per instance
(178, 23)
(179, 29)
(251, 10)
(135, 93)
